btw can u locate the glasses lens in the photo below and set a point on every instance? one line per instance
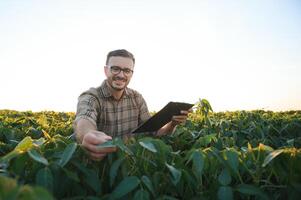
(115, 69)
(127, 71)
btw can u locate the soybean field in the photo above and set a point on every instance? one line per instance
(214, 155)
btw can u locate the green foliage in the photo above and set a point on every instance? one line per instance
(229, 155)
(10, 190)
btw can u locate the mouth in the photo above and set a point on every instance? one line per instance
(119, 79)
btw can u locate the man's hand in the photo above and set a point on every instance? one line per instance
(175, 120)
(180, 119)
(93, 138)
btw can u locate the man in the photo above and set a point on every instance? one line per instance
(113, 109)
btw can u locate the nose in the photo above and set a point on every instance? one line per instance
(121, 74)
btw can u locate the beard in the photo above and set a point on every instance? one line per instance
(118, 83)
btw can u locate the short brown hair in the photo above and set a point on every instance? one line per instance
(121, 53)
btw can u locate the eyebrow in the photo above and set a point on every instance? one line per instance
(120, 67)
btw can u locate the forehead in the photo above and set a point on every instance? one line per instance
(121, 62)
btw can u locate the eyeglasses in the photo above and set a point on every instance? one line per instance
(116, 70)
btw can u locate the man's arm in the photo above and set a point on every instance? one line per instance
(88, 136)
(166, 129)
(85, 127)
(82, 127)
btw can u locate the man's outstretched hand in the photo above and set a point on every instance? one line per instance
(90, 142)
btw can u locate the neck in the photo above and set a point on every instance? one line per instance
(117, 94)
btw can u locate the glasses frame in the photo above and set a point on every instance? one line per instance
(126, 71)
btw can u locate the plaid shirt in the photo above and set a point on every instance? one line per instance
(109, 115)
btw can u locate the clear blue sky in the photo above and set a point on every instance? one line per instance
(237, 54)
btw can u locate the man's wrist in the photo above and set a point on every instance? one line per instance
(78, 138)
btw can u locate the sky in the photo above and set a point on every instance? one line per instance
(239, 55)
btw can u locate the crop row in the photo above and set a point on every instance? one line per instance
(230, 155)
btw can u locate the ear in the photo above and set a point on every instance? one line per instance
(106, 70)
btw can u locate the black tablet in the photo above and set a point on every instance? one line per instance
(162, 117)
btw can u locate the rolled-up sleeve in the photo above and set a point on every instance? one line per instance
(87, 107)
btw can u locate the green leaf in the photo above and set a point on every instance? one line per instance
(127, 185)
(176, 174)
(90, 176)
(34, 154)
(107, 144)
(44, 178)
(8, 188)
(198, 163)
(191, 183)
(72, 175)
(251, 190)
(39, 142)
(41, 193)
(114, 169)
(27, 192)
(67, 154)
(92, 180)
(167, 197)
(224, 178)
(271, 156)
(121, 146)
(290, 142)
(18, 166)
(24, 145)
(42, 120)
(232, 159)
(225, 193)
(262, 147)
(9, 156)
(148, 145)
(90, 198)
(147, 182)
(207, 139)
(141, 195)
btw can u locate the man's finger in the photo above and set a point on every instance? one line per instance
(106, 149)
(95, 139)
(93, 148)
(184, 112)
(179, 117)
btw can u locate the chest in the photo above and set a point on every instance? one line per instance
(118, 117)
